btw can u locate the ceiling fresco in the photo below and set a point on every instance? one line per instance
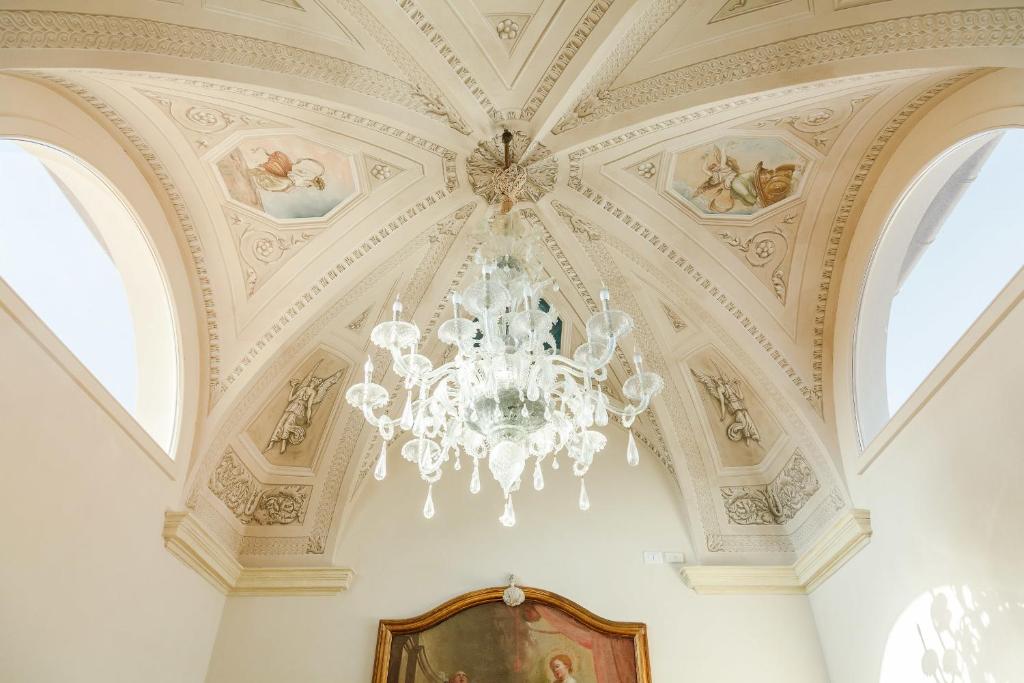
(706, 169)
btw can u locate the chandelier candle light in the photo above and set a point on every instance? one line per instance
(508, 395)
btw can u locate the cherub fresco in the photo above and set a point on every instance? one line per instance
(737, 176)
(280, 174)
(726, 183)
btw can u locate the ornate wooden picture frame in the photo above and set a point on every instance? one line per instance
(511, 635)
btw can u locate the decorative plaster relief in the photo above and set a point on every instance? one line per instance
(447, 156)
(818, 124)
(252, 502)
(737, 176)
(263, 247)
(293, 422)
(961, 28)
(288, 177)
(766, 251)
(539, 168)
(642, 30)
(734, 8)
(744, 430)
(775, 503)
(203, 124)
(69, 30)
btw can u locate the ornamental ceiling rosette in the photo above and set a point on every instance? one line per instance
(532, 167)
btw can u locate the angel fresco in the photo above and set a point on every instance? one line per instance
(304, 398)
(726, 183)
(727, 391)
(280, 174)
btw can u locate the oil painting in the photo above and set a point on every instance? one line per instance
(479, 638)
(288, 177)
(737, 176)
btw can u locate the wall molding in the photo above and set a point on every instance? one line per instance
(833, 549)
(186, 538)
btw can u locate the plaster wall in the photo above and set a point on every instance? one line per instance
(943, 572)
(87, 591)
(405, 565)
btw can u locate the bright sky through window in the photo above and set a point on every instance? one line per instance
(979, 248)
(50, 257)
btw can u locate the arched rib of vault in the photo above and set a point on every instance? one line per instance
(615, 261)
(836, 43)
(69, 40)
(411, 272)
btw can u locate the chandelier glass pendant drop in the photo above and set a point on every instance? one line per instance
(507, 396)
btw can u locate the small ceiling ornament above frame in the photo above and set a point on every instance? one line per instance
(543, 637)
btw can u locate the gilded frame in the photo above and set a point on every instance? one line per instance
(389, 628)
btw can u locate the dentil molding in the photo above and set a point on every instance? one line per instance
(837, 545)
(188, 540)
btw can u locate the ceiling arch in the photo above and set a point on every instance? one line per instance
(630, 115)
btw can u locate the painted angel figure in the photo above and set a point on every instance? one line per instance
(280, 174)
(726, 390)
(303, 399)
(726, 183)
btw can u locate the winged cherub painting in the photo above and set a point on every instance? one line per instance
(306, 395)
(737, 176)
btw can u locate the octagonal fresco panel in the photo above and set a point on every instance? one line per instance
(288, 177)
(737, 176)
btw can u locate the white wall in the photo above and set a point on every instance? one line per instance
(405, 565)
(947, 499)
(87, 591)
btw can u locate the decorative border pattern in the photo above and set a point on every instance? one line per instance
(184, 218)
(577, 37)
(34, 29)
(965, 28)
(448, 157)
(776, 502)
(417, 16)
(846, 207)
(250, 501)
(642, 30)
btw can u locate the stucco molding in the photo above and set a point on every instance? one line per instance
(834, 548)
(33, 29)
(187, 538)
(957, 29)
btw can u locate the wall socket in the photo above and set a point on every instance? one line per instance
(662, 557)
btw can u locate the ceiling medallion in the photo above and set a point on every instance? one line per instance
(508, 395)
(531, 164)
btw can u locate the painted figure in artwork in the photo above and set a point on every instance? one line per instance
(458, 677)
(727, 183)
(727, 391)
(280, 174)
(562, 669)
(305, 396)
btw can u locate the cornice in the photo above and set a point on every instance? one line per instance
(957, 29)
(832, 550)
(187, 538)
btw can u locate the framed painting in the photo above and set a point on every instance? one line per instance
(511, 635)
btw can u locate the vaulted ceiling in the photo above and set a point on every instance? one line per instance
(704, 158)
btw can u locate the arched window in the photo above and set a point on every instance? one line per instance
(954, 241)
(74, 253)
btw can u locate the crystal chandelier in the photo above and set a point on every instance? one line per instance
(507, 396)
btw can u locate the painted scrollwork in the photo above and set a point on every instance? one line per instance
(260, 248)
(819, 124)
(533, 168)
(253, 503)
(763, 249)
(777, 502)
